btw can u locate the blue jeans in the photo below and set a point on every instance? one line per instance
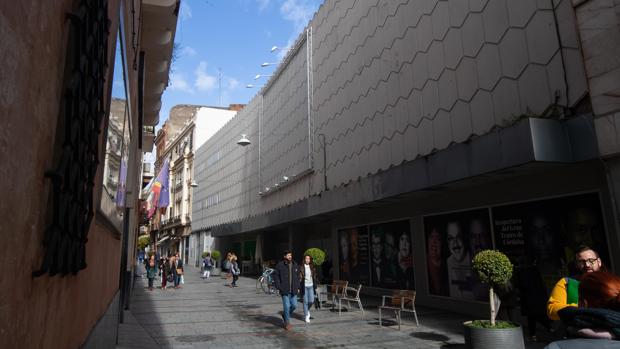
(177, 280)
(308, 299)
(289, 303)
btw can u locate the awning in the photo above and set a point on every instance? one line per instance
(162, 240)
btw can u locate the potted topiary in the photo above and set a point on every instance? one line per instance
(495, 270)
(318, 255)
(215, 255)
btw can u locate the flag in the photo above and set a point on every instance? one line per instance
(159, 195)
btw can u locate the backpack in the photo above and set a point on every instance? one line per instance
(234, 269)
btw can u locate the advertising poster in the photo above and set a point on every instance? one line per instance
(542, 236)
(451, 242)
(391, 255)
(353, 247)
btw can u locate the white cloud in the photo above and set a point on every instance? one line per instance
(186, 11)
(299, 12)
(204, 81)
(178, 83)
(188, 51)
(262, 4)
(232, 83)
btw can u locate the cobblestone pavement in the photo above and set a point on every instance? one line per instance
(208, 314)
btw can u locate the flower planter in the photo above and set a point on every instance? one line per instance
(492, 338)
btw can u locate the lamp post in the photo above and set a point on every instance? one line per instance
(258, 76)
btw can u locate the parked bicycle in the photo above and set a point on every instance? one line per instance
(265, 282)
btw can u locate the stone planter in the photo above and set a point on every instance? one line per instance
(492, 338)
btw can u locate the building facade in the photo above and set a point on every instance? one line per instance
(78, 87)
(187, 128)
(404, 136)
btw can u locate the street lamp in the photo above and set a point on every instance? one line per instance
(193, 184)
(276, 48)
(244, 141)
(266, 64)
(249, 86)
(261, 76)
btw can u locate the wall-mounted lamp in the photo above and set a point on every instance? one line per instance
(244, 141)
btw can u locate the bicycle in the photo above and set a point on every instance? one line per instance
(265, 282)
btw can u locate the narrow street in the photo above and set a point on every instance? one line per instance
(208, 314)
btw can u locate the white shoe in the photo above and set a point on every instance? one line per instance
(308, 318)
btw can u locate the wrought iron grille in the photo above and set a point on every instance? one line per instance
(81, 112)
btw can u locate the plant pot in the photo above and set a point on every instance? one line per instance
(216, 272)
(492, 338)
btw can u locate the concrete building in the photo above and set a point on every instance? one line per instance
(404, 136)
(188, 127)
(80, 80)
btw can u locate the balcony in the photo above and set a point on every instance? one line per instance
(148, 138)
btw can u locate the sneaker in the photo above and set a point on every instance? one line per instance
(308, 318)
(288, 327)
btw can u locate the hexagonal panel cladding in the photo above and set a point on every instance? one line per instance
(427, 5)
(420, 70)
(467, 78)
(453, 48)
(458, 11)
(506, 102)
(534, 90)
(435, 60)
(425, 137)
(442, 129)
(473, 34)
(520, 12)
(430, 99)
(495, 18)
(513, 52)
(477, 5)
(490, 68)
(424, 32)
(482, 112)
(447, 89)
(441, 20)
(460, 117)
(542, 41)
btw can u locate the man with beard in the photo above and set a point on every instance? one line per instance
(459, 263)
(379, 268)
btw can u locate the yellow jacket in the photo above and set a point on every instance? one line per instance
(558, 300)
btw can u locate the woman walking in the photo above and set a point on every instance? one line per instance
(309, 282)
(234, 270)
(163, 269)
(151, 271)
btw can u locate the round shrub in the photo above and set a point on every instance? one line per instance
(318, 255)
(492, 267)
(204, 254)
(143, 241)
(216, 255)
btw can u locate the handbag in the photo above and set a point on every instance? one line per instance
(179, 271)
(169, 278)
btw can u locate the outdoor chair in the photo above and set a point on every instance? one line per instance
(350, 294)
(337, 287)
(400, 301)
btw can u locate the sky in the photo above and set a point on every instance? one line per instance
(230, 38)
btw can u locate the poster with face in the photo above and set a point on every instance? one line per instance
(546, 233)
(353, 248)
(451, 242)
(391, 255)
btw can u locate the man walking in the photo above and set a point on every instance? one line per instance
(287, 281)
(565, 293)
